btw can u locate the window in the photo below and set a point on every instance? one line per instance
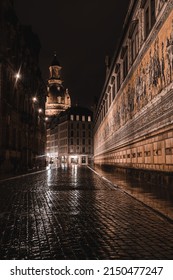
(113, 91)
(149, 15)
(147, 24)
(118, 72)
(59, 99)
(125, 65)
(89, 118)
(124, 56)
(134, 36)
(71, 117)
(83, 118)
(83, 159)
(77, 117)
(118, 80)
(109, 96)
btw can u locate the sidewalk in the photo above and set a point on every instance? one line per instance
(158, 197)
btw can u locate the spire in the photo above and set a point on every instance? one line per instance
(55, 62)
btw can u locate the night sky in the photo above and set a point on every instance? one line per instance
(82, 33)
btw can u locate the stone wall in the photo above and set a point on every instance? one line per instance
(137, 131)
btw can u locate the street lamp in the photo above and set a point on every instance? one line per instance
(34, 99)
(17, 76)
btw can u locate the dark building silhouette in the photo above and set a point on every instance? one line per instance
(22, 95)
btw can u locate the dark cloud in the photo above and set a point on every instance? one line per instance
(82, 33)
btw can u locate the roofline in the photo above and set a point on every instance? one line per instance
(128, 17)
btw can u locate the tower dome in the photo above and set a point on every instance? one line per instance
(57, 99)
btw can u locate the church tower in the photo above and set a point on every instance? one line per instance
(58, 98)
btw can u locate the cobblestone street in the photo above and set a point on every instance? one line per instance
(74, 214)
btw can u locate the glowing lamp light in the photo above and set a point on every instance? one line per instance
(17, 76)
(46, 119)
(34, 99)
(40, 110)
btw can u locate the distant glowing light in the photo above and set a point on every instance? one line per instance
(46, 119)
(18, 76)
(75, 157)
(34, 99)
(40, 110)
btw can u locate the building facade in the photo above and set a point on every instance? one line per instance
(71, 137)
(133, 126)
(22, 95)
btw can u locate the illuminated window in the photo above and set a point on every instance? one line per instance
(72, 118)
(77, 117)
(83, 118)
(89, 118)
(59, 99)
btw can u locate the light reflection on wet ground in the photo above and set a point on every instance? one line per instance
(71, 213)
(158, 197)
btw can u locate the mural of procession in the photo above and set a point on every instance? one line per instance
(152, 76)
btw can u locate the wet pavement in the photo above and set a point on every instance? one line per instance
(72, 213)
(157, 196)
